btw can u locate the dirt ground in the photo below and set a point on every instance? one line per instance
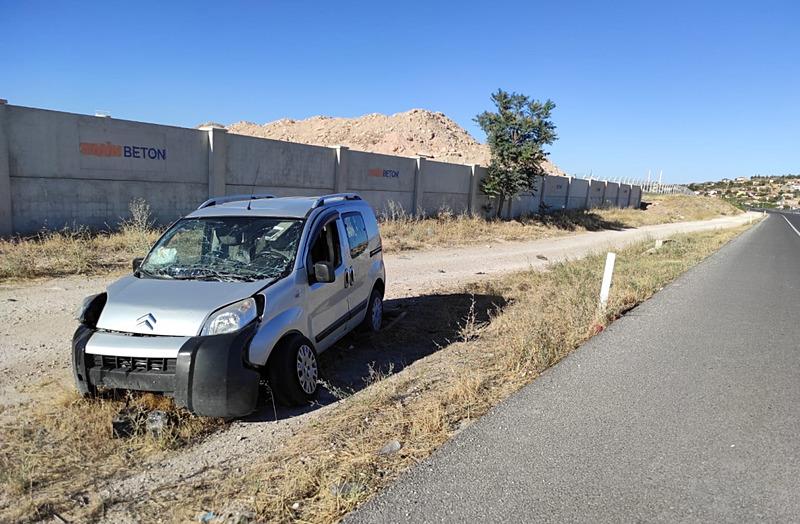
(424, 308)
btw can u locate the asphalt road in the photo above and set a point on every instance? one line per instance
(686, 409)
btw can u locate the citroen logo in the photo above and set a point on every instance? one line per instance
(147, 320)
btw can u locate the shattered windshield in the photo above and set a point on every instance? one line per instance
(225, 249)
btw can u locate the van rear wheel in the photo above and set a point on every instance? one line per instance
(294, 372)
(374, 319)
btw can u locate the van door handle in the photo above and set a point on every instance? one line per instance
(352, 277)
(346, 278)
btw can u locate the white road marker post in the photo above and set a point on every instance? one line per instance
(606, 286)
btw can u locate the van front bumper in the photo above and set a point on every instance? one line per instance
(209, 375)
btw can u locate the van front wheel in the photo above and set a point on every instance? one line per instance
(294, 372)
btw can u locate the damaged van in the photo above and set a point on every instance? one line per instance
(244, 289)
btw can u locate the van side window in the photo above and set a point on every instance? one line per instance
(357, 236)
(326, 246)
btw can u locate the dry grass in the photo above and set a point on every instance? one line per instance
(331, 466)
(664, 209)
(56, 452)
(76, 251)
(401, 231)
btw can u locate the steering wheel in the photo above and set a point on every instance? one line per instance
(280, 258)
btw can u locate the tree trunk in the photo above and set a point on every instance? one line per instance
(500, 201)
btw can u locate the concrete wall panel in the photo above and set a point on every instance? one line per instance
(279, 164)
(636, 197)
(612, 188)
(447, 178)
(374, 172)
(52, 144)
(597, 189)
(623, 198)
(554, 195)
(578, 190)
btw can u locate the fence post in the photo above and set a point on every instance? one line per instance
(341, 170)
(6, 218)
(217, 152)
(566, 195)
(473, 189)
(419, 189)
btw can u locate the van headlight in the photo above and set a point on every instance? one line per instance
(231, 318)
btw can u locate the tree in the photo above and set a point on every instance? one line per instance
(517, 133)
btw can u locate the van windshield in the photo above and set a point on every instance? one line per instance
(225, 249)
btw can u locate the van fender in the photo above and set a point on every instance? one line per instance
(271, 331)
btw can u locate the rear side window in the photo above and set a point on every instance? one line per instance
(357, 236)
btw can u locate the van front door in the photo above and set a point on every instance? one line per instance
(328, 310)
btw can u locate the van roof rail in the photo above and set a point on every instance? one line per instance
(215, 201)
(325, 199)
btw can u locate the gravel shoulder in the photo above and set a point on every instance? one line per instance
(36, 325)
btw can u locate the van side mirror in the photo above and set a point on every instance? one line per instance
(136, 263)
(323, 272)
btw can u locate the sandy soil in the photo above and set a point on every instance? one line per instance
(36, 325)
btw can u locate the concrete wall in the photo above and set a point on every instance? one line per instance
(61, 169)
(612, 190)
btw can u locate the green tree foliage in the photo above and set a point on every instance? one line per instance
(517, 133)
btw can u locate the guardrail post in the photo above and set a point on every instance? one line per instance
(605, 287)
(6, 218)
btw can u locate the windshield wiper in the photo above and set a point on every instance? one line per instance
(148, 274)
(211, 274)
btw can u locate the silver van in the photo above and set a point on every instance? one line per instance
(243, 289)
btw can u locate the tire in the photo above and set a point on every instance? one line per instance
(294, 372)
(374, 319)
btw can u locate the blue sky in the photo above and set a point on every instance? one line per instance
(700, 90)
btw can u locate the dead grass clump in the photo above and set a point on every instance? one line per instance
(56, 452)
(331, 466)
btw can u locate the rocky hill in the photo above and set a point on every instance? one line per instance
(411, 133)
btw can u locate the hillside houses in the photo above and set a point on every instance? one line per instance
(782, 192)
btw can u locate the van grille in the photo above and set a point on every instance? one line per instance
(163, 365)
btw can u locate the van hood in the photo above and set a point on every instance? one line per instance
(150, 306)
